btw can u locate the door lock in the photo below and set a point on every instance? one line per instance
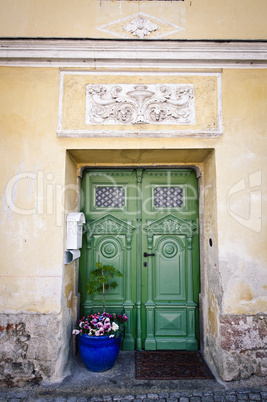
(148, 255)
(145, 264)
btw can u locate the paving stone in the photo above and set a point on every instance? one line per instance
(264, 394)
(60, 399)
(164, 395)
(197, 393)
(72, 399)
(129, 397)
(139, 396)
(195, 399)
(146, 400)
(208, 398)
(230, 398)
(175, 395)
(39, 400)
(255, 396)
(219, 398)
(21, 395)
(218, 394)
(152, 396)
(183, 399)
(14, 400)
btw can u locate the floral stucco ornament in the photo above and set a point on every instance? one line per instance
(140, 27)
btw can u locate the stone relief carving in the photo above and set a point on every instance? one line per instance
(135, 104)
(108, 224)
(140, 27)
(170, 224)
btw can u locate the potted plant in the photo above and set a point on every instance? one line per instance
(100, 334)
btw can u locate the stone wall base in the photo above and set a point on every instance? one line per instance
(243, 347)
(30, 346)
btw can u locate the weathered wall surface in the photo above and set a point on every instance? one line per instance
(189, 19)
(30, 347)
(35, 328)
(39, 186)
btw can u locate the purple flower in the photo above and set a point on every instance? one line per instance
(107, 327)
(100, 332)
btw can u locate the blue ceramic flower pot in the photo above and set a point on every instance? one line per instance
(99, 353)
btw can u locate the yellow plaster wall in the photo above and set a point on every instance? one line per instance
(70, 204)
(32, 178)
(242, 210)
(32, 236)
(205, 19)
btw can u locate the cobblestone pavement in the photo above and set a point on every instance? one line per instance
(120, 384)
(194, 396)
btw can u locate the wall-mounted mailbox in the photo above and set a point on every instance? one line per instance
(75, 221)
(71, 255)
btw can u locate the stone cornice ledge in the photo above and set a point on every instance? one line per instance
(132, 54)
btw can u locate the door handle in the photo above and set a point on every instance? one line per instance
(148, 255)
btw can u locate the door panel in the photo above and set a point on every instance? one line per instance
(129, 212)
(169, 267)
(170, 217)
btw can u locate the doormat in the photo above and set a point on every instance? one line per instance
(171, 365)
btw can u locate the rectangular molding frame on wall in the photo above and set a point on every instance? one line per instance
(147, 104)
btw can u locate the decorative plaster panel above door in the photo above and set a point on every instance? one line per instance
(133, 104)
(139, 104)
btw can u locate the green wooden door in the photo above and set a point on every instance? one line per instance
(144, 222)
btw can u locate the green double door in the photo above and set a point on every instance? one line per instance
(144, 222)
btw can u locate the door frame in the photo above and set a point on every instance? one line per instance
(198, 169)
